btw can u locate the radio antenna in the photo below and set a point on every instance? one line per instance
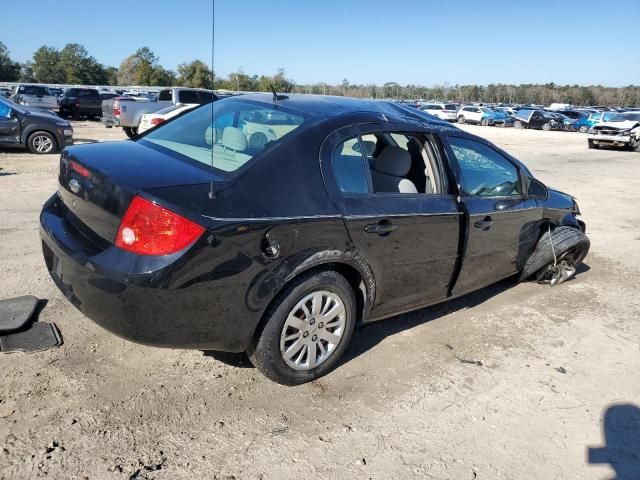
(212, 194)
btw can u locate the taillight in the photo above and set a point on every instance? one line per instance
(76, 167)
(116, 109)
(149, 229)
(157, 121)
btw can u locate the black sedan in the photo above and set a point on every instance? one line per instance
(273, 225)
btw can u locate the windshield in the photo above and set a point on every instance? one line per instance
(33, 90)
(635, 116)
(228, 133)
(450, 106)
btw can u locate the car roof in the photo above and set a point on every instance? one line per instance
(326, 106)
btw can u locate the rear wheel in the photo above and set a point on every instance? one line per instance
(517, 124)
(130, 131)
(307, 329)
(461, 119)
(546, 126)
(557, 255)
(42, 143)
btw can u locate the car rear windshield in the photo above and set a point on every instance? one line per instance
(227, 133)
(450, 106)
(33, 90)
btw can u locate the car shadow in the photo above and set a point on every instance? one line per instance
(5, 174)
(368, 336)
(621, 429)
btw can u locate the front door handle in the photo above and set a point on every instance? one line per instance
(382, 228)
(485, 224)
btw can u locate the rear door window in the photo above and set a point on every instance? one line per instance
(386, 162)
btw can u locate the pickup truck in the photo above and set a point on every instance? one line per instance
(34, 96)
(126, 112)
(77, 102)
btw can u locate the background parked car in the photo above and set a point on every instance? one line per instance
(34, 96)
(5, 92)
(481, 115)
(40, 132)
(122, 112)
(150, 120)
(620, 130)
(537, 119)
(444, 111)
(78, 102)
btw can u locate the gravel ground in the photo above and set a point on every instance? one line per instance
(512, 382)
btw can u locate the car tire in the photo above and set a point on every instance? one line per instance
(484, 122)
(518, 124)
(269, 349)
(461, 119)
(566, 241)
(131, 132)
(591, 144)
(42, 143)
(546, 126)
(583, 129)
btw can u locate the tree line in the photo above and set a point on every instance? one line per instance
(74, 65)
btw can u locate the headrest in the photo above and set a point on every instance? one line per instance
(393, 161)
(210, 135)
(234, 139)
(258, 140)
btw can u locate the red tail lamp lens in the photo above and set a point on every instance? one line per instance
(116, 110)
(157, 121)
(76, 167)
(149, 229)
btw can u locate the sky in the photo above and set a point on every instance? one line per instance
(422, 42)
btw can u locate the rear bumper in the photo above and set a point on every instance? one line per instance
(110, 121)
(142, 299)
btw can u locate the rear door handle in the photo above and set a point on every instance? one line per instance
(382, 228)
(484, 224)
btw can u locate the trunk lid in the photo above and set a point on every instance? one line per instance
(98, 181)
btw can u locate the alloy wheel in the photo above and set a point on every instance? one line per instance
(42, 144)
(313, 330)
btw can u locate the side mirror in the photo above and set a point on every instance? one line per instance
(537, 189)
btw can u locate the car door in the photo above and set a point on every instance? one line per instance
(537, 119)
(502, 224)
(410, 240)
(9, 125)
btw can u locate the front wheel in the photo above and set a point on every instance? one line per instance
(557, 255)
(484, 122)
(592, 144)
(546, 126)
(517, 124)
(461, 119)
(42, 143)
(131, 132)
(583, 129)
(307, 329)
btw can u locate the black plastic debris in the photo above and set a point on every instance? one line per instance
(40, 336)
(19, 330)
(15, 313)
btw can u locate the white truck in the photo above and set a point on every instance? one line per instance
(622, 130)
(126, 112)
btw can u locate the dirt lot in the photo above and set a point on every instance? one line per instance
(512, 382)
